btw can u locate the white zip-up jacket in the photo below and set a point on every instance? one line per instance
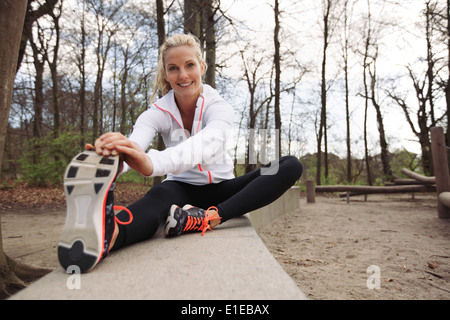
(198, 157)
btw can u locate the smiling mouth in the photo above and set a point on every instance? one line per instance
(184, 85)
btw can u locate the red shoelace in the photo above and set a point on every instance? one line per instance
(202, 224)
(129, 213)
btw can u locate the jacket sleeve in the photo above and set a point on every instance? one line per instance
(146, 127)
(208, 146)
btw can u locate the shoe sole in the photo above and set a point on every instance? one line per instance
(171, 222)
(87, 181)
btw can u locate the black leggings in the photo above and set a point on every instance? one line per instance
(232, 198)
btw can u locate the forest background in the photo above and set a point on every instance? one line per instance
(351, 87)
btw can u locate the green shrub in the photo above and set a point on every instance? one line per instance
(43, 161)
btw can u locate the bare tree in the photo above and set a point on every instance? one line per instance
(422, 118)
(327, 9)
(104, 14)
(440, 21)
(13, 276)
(254, 75)
(429, 30)
(210, 41)
(371, 32)
(277, 66)
(370, 54)
(387, 171)
(345, 58)
(367, 43)
(39, 63)
(33, 14)
(200, 20)
(44, 40)
(424, 89)
(193, 17)
(160, 22)
(444, 20)
(81, 65)
(53, 61)
(447, 85)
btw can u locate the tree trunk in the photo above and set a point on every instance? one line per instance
(347, 118)
(252, 84)
(447, 88)
(13, 276)
(123, 95)
(387, 171)
(53, 65)
(38, 90)
(12, 14)
(323, 96)
(366, 93)
(97, 93)
(160, 21)
(430, 60)
(366, 109)
(324, 84)
(251, 68)
(277, 62)
(82, 69)
(99, 78)
(192, 18)
(347, 89)
(56, 106)
(210, 42)
(366, 144)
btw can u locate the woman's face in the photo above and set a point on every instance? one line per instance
(184, 72)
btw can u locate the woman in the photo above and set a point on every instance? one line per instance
(194, 122)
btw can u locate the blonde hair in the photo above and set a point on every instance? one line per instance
(161, 84)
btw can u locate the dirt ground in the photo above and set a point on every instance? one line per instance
(388, 247)
(33, 218)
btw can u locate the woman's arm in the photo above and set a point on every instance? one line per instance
(115, 143)
(132, 150)
(208, 146)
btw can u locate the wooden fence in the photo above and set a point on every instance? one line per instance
(440, 183)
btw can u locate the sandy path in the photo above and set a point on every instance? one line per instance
(327, 248)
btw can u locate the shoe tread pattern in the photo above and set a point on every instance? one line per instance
(86, 183)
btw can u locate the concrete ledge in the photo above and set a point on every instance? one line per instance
(288, 202)
(231, 263)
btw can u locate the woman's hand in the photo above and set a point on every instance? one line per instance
(115, 143)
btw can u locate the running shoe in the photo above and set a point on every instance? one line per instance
(189, 218)
(90, 221)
